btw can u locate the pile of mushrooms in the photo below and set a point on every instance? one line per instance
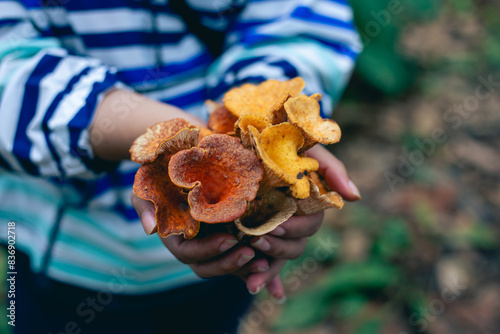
(248, 168)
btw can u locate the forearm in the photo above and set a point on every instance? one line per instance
(122, 116)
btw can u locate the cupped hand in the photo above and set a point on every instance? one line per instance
(212, 255)
(334, 173)
(218, 254)
(260, 263)
(288, 241)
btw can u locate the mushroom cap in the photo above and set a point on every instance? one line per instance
(258, 121)
(156, 140)
(221, 176)
(220, 119)
(172, 215)
(321, 198)
(263, 215)
(304, 112)
(265, 98)
(277, 147)
(204, 132)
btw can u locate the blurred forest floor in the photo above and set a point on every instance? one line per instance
(420, 253)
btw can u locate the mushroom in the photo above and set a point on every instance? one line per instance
(152, 183)
(277, 147)
(303, 111)
(172, 215)
(220, 119)
(263, 215)
(241, 127)
(321, 198)
(220, 175)
(160, 138)
(266, 98)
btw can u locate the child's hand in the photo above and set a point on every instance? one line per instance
(334, 172)
(218, 254)
(209, 256)
(288, 241)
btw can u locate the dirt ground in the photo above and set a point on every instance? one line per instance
(428, 166)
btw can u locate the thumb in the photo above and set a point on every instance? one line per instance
(335, 173)
(146, 211)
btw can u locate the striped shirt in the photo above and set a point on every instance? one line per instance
(59, 57)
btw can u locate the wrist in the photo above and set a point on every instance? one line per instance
(122, 116)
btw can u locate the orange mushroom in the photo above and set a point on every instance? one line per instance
(172, 215)
(241, 127)
(220, 119)
(321, 198)
(157, 139)
(266, 98)
(263, 215)
(205, 132)
(221, 176)
(154, 149)
(303, 111)
(277, 147)
(193, 175)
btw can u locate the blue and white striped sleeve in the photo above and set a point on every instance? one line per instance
(281, 39)
(47, 101)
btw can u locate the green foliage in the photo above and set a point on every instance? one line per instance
(421, 10)
(345, 289)
(371, 275)
(345, 284)
(380, 23)
(348, 288)
(476, 235)
(406, 244)
(464, 6)
(349, 306)
(305, 311)
(394, 239)
(491, 49)
(370, 326)
(384, 69)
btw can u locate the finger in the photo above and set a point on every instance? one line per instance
(257, 281)
(225, 264)
(199, 249)
(276, 289)
(146, 211)
(299, 226)
(334, 172)
(279, 248)
(256, 265)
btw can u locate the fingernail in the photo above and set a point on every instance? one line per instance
(243, 259)
(227, 244)
(278, 231)
(354, 190)
(148, 222)
(257, 290)
(263, 268)
(280, 300)
(262, 244)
